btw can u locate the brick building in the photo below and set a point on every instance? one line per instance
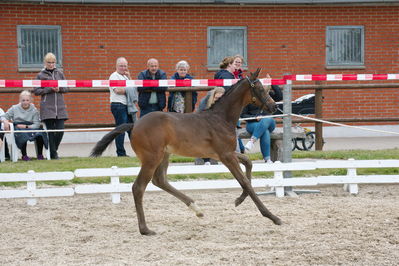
(299, 37)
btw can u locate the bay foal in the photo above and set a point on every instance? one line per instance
(208, 134)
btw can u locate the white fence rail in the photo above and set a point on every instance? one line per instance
(278, 183)
(32, 192)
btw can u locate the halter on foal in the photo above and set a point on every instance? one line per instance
(208, 134)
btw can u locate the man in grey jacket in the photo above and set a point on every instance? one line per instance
(52, 105)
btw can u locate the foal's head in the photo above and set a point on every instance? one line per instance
(260, 95)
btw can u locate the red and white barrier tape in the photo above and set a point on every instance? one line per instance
(130, 83)
(187, 83)
(338, 77)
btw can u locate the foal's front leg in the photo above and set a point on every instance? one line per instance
(248, 170)
(231, 161)
(160, 180)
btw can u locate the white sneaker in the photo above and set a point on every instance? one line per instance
(268, 161)
(250, 145)
(207, 163)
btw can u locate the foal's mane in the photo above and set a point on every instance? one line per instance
(233, 87)
(226, 94)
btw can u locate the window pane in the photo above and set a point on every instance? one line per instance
(35, 42)
(225, 41)
(345, 45)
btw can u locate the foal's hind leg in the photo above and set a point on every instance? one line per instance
(161, 181)
(231, 161)
(138, 189)
(146, 173)
(248, 169)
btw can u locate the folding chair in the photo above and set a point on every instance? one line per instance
(14, 151)
(9, 140)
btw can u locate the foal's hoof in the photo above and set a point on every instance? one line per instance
(277, 221)
(195, 209)
(238, 201)
(147, 232)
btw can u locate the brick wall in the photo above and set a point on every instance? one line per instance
(281, 39)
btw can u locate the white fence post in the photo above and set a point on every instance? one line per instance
(351, 188)
(116, 196)
(31, 187)
(278, 175)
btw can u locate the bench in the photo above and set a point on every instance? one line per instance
(276, 147)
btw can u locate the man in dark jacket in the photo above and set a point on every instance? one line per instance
(152, 99)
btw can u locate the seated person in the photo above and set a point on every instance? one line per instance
(25, 116)
(176, 99)
(260, 128)
(211, 97)
(2, 139)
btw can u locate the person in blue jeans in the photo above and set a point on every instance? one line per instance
(120, 102)
(260, 128)
(119, 111)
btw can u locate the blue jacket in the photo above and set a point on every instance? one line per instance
(224, 74)
(171, 98)
(145, 94)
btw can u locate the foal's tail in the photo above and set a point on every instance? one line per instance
(108, 138)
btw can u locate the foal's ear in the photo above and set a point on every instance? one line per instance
(255, 74)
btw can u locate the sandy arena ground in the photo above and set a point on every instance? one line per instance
(331, 228)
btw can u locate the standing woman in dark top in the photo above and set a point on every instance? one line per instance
(52, 105)
(226, 70)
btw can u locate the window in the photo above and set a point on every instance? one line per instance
(34, 42)
(226, 41)
(345, 46)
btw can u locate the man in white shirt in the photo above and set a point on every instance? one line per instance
(119, 102)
